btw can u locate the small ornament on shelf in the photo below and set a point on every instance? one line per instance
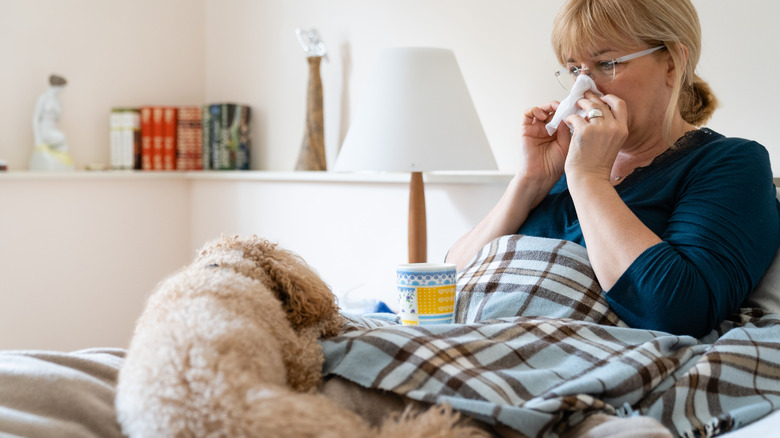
(312, 154)
(51, 148)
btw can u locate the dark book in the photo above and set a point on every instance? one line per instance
(205, 130)
(225, 157)
(215, 134)
(243, 137)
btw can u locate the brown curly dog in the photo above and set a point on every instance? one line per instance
(227, 347)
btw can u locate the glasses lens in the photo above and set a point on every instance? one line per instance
(604, 72)
(566, 77)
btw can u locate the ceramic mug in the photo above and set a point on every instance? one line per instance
(426, 292)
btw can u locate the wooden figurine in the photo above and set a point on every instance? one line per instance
(312, 154)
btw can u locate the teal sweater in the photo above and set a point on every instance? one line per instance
(712, 201)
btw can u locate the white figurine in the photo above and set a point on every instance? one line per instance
(311, 43)
(51, 148)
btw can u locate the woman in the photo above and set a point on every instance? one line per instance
(679, 223)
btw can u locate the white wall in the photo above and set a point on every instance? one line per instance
(502, 47)
(78, 256)
(113, 53)
(122, 53)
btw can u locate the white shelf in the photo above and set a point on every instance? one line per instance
(26, 175)
(297, 176)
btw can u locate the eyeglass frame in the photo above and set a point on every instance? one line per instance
(576, 71)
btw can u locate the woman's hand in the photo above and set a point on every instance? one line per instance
(595, 143)
(542, 155)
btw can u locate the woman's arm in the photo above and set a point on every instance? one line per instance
(614, 235)
(506, 217)
(721, 237)
(542, 160)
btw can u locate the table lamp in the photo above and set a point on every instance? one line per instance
(416, 115)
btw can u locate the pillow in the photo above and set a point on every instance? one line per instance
(766, 295)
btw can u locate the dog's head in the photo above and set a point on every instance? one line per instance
(306, 299)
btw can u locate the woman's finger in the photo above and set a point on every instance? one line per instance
(617, 107)
(541, 113)
(576, 122)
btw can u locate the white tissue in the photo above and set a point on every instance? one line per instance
(568, 106)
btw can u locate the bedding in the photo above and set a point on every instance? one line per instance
(507, 362)
(535, 350)
(58, 394)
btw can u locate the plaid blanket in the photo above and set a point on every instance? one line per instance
(521, 275)
(540, 375)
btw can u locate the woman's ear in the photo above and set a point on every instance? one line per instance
(678, 52)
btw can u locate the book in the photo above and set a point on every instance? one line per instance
(146, 138)
(189, 149)
(134, 156)
(230, 138)
(157, 138)
(224, 158)
(169, 131)
(244, 138)
(115, 132)
(205, 115)
(215, 135)
(125, 143)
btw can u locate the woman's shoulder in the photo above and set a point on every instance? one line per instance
(714, 153)
(722, 165)
(715, 142)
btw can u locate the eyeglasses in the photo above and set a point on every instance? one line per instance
(603, 71)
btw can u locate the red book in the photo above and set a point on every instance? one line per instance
(157, 138)
(146, 138)
(170, 121)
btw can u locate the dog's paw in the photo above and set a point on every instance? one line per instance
(439, 421)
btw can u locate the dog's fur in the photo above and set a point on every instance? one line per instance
(228, 347)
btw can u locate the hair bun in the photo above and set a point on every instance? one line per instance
(697, 102)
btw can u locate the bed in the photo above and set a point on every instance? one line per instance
(535, 352)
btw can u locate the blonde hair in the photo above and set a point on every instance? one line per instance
(583, 24)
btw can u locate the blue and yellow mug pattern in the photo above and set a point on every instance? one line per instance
(426, 292)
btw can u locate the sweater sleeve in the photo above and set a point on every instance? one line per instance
(721, 237)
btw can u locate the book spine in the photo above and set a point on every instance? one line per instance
(242, 152)
(131, 124)
(226, 158)
(169, 138)
(197, 139)
(146, 138)
(135, 159)
(205, 125)
(215, 134)
(235, 122)
(115, 124)
(157, 138)
(189, 149)
(182, 139)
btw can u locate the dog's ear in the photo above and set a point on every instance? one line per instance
(306, 299)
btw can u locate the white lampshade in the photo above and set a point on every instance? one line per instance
(415, 115)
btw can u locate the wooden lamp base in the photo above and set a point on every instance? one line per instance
(418, 237)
